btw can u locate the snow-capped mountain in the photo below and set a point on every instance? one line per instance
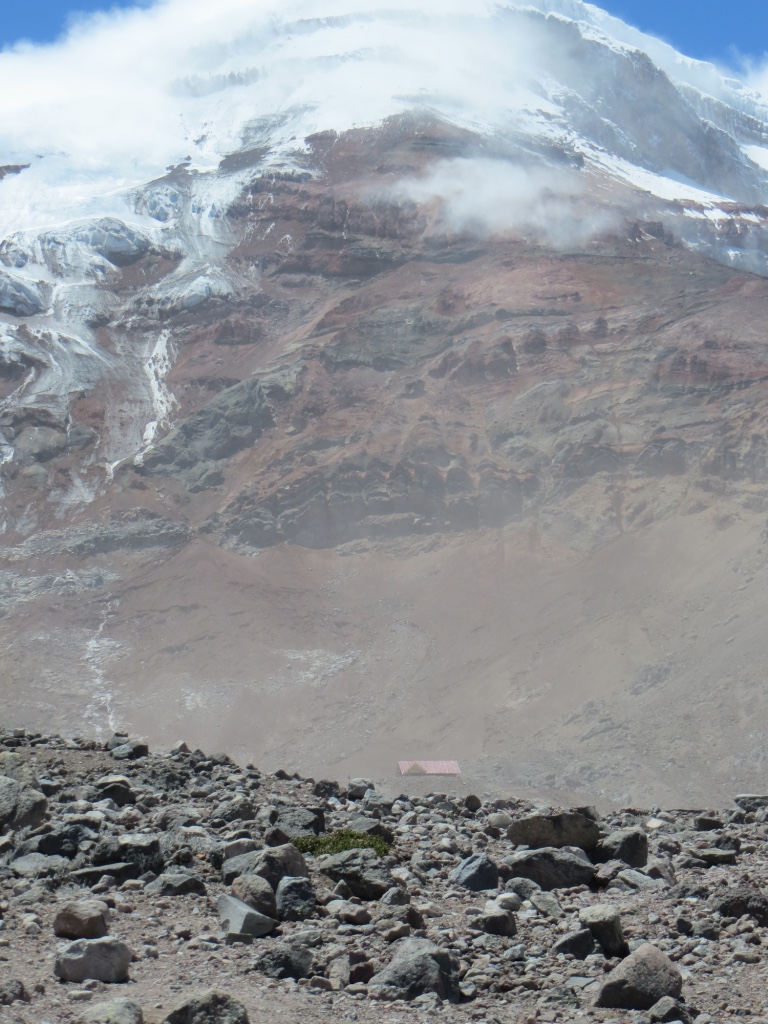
(472, 287)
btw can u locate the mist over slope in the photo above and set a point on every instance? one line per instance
(388, 383)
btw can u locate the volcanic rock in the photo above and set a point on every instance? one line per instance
(417, 968)
(551, 868)
(640, 981)
(105, 959)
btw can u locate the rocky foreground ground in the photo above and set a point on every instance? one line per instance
(171, 888)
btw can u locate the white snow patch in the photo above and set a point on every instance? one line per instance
(157, 368)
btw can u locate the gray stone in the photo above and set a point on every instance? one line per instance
(473, 803)
(347, 912)
(13, 991)
(363, 870)
(357, 788)
(132, 750)
(551, 868)
(238, 918)
(499, 819)
(476, 873)
(417, 968)
(257, 893)
(177, 883)
(371, 827)
(522, 887)
(395, 897)
(627, 844)
(377, 804)
(570, 828)
(668, 1010)
(38, 865)
(210, 1007)
(640, 981)
(106, 960)
(81, 919)
(741, 900)
(546, 904)
(604, 922)
(285, 960)
(496, 921)
(296, 899)
(300, 821)
(21, 806)
(273, 864)
(578, 944)
(116, 1011)
(751, 802)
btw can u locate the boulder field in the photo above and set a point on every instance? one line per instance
(180, 888)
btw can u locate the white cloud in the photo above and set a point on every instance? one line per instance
(125, 93)
(481, 197)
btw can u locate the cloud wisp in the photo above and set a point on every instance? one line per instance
(128, 92)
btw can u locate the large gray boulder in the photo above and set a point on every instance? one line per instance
(21, 806)
(106, 960)
(551, 868)
(81, 919)
(116, 1011)
(364, 871)
(210, 1007)
(640, 981)
(417, 968)
(627, 844)
(476, 873)
(570, 828)
(237, 918)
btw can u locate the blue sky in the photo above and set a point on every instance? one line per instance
(707, 29)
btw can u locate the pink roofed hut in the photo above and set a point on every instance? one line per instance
(429, 767)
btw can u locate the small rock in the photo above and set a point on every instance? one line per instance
(177, 883)
(476, 873)
(628, 844)
(546, 904)
(210, 1007)
(668, 1010)
(296, 899)
(417, 968)
(496, 921)
(13, 991)
(285, 960)
(363, 870)
(117, 1011)
(579, 944)
(357, 788)
(640, 981)
(604, 922)
(473, 803)
(257, 893)
(238, 918)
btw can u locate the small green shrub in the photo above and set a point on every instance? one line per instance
(338, 842)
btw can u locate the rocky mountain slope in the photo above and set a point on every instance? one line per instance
(436, 427)
(141, 888)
